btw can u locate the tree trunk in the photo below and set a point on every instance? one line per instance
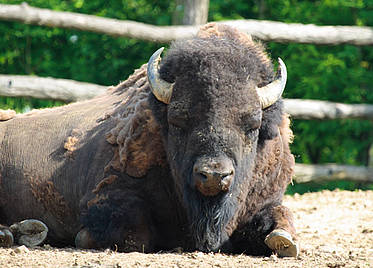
(370, 156)
(262, 8)
(177, 15)
(195, 12)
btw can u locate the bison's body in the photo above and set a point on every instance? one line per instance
(125, 170)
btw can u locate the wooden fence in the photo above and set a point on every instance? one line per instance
(68, 90)
(264, 30)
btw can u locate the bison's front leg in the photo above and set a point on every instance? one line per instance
(27, 232)
(282, 239)
(270, 230)
(120, 223)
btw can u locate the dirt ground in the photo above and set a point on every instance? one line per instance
(335, 230)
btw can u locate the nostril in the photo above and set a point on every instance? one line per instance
(227, 174)
(226, 180)
(209, 175)
(202, 176)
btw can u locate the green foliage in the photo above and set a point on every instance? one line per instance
(302, 188)
(22, 105)
(340, 73)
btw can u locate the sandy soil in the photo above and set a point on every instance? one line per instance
(335, 230)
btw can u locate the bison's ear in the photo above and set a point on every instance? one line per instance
(161, 89)
(270, 93)
(271, 120)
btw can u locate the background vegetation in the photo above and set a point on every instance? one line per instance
(336, 73)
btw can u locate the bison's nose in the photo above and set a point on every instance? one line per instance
(213, 175)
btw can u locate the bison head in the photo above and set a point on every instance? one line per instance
(210, 96)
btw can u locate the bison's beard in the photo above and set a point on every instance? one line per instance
(208, 218)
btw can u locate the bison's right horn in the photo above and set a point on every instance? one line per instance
(270, 93)
(161, 89)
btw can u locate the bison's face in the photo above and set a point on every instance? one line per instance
(211, 124)
(211, 143)
(211, 148)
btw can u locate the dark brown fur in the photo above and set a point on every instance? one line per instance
(46, 194)
(107, 181)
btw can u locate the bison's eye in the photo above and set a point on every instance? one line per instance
(250, 131)
(251, 123)
(250, 134)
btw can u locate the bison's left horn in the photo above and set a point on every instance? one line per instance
(270, 93)
(161, 89)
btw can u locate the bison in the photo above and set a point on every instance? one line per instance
(190, 151)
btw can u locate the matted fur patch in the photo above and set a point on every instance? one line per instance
(136, 134)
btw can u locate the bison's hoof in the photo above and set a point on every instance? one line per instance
(6, 237)
(29, 232)
(83, 239)
(281, 243)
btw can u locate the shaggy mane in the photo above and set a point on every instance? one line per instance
(224, 31)
(136, 134)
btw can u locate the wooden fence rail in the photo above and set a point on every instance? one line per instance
(323, 110)
(328, 172)
(70, 90)
(47, 88)
(264, 30)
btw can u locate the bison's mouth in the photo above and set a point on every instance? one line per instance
(208, 215)
(208, 218)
